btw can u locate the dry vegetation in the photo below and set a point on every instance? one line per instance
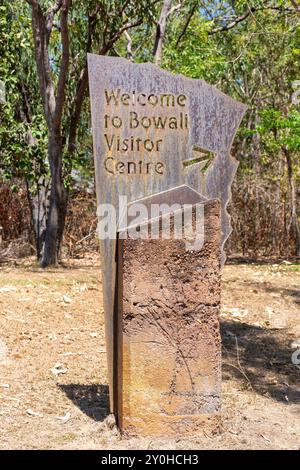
(53, 363)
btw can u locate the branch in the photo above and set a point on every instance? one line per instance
(174, 8)
(64, 63)
(80, 94)
(40, 36)
(81, 85)
(55, 8)
(189, 19)
(166, 11)
(117, 36)
(83, 80)
(129, 45)
(26, 103)
(241, 18)
(296, 5)
(123, 8)
(50, 15)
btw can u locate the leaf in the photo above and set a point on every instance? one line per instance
(52, 336)
(34, 413)
(8, 289)
(65, 418)
(229, 333)
(239, 313)
(4, 385)
(59, 369)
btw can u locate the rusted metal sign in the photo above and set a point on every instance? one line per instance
(154, 131)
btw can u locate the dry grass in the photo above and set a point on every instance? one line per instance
(53, 319)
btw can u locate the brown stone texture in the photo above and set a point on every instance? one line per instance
(169, 351)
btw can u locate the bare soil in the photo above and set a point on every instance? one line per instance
(53, 381)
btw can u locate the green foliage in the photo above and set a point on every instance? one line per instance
(256, 62)
(21, 117)
(249, 49)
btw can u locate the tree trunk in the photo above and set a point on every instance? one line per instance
(276, 209)
(58, 204)
(160, 31)
(38, 198)
(293, 201)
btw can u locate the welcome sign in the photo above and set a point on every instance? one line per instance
(154, 131)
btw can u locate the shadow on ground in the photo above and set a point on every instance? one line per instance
(92, 400)
(261, 261)
(262, 359)
(269, 288)
(257, 357)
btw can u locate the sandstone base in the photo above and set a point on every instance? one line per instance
(169, 351)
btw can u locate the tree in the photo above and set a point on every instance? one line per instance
(57, 40)
(231, 44)
(22, 126)
(166, 10)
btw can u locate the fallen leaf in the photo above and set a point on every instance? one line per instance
(71, 354)
(8, 289)
(265, 438)
(269, 311)
(34, 413)
(229, 333)
(59, 369)
(239, 312)
(65, 418)
(295, 344)
(4, 385)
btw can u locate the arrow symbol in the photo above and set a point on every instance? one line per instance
(202, 157)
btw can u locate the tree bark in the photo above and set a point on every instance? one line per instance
(53, 104)
(293, 201)
(160, 31)
(38, 203)
(58, 204)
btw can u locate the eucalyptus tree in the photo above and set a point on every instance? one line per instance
(63, 32)
(250, 49)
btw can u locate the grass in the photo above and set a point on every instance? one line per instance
(292, 267)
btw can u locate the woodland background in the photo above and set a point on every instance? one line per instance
(248, 49)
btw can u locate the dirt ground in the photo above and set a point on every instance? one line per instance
(53, 383)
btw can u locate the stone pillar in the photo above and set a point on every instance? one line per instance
(168, 339)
